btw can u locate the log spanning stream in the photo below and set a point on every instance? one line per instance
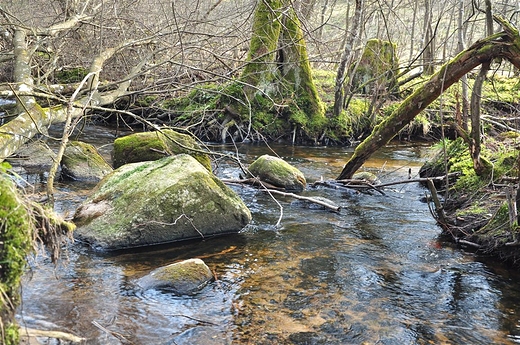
(374, 273)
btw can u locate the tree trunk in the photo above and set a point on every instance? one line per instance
(429, 40)
(476, 96)
(463, 121)
(278, 66)
(504, 45)
(346, 58)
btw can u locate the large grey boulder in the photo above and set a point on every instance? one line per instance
(278, 173)
(182, 278)
(168, 200)
(82, 162)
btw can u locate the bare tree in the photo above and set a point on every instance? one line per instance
(347, 58)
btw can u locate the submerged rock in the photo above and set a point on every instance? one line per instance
(82, 162)
(278, 172)
(149, 146)
(367, 176)
(182, 278)
(168, 200)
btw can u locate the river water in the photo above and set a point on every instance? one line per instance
(374, 273)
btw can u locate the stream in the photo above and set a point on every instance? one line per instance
(374, 273)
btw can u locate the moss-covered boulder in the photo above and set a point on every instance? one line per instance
(153, 202)
(149, 146)
(82, 162)
(378, 67)
(182, 278)
(278, 173)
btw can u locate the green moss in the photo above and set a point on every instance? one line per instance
(71, 75)
(499, 159)
(262, 49)
(15, 244)
(351, 122)
(501, 89)
(476, 209)
(377, 68)
(148, 146)
(146, 101)
(498, 231)
(81, 154)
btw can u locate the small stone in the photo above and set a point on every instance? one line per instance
(182, 278)
(278, 173)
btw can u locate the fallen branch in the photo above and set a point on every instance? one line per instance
(350, 183)
(356, 183)
(116, 335)
(335, 208)
(253, 181)
(194, 319)
(30, 332)
(439, 209)
(420, 180)
(468, 243)
(267, 188)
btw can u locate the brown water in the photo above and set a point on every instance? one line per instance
(375, 273)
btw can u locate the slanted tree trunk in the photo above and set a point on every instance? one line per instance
(503, 45)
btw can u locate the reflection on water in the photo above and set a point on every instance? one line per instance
(375, 273)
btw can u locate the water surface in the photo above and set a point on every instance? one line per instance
(374, 273)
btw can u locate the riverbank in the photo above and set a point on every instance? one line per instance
(480, 213)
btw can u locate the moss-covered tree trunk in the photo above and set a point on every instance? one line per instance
(15, 243)
(278, 66)
(503, 45)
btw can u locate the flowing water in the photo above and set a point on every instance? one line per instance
(374, 273)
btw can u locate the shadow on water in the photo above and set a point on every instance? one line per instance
(375, 273)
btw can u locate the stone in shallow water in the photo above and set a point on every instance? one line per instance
(168, 200)
(82, 162)
(278, 172)
(182, 278)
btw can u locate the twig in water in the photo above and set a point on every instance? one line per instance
(116, 335)
(194, 319)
